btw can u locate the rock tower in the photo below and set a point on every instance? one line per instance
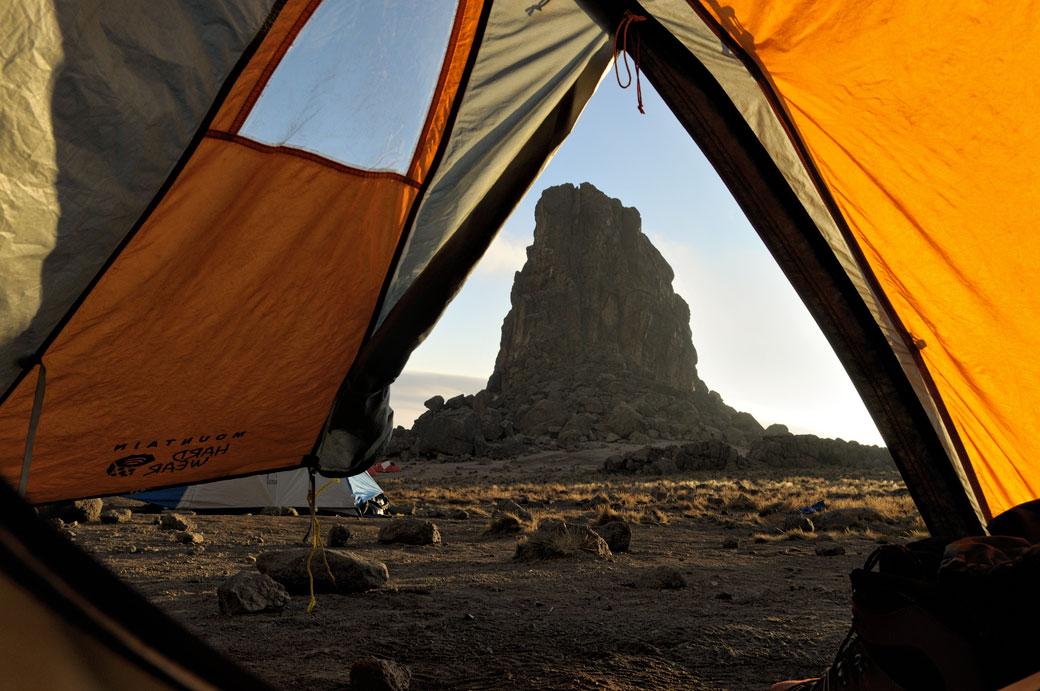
(595, 296)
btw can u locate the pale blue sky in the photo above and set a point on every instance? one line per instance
(757, 345)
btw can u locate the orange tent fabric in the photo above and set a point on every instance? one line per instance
(920, 142)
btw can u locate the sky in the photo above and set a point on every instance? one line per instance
(756, 343)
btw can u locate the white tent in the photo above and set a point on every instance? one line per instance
(287, 488)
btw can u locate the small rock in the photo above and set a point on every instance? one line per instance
(374, 674)
(829, 549)
(352, 575)
(174, 521)
(116, 516)
(248, 592)
(730, 543)
(409, 531)
(661, 578)
(188, 537)
(457, 514)
(618, 535)
(82, 511)
(339, 535)
(724, 596)
(401, 509)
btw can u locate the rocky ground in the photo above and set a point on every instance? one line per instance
(712, 593)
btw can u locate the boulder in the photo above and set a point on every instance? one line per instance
(80, 511)
(796, 521)
(456, 402)
(617, 534)
(375, 674)
(454, 432)
(248, 592)
(435, 403)
(409, 531)
(624, 421)
(543, 415)
(352, 574)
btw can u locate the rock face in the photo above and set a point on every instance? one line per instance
(806, 450)
(597, 348)
(594, 296)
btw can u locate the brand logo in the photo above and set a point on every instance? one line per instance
(125, 467)
(171, 455)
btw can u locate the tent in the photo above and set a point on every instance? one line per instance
(226, 225)
(287, 488)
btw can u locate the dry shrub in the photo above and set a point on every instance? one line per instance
(742, 502)
(891, 507)
(563, 543)
(655, 515)
(505, 524)
(631, 499)
(779, 537)
(539, 517)
(607, 514)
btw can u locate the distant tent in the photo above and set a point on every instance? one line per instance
(216, 258)
(287, 488)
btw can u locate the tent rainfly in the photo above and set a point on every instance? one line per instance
(215, 259)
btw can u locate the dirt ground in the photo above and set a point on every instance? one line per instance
(465, 615)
